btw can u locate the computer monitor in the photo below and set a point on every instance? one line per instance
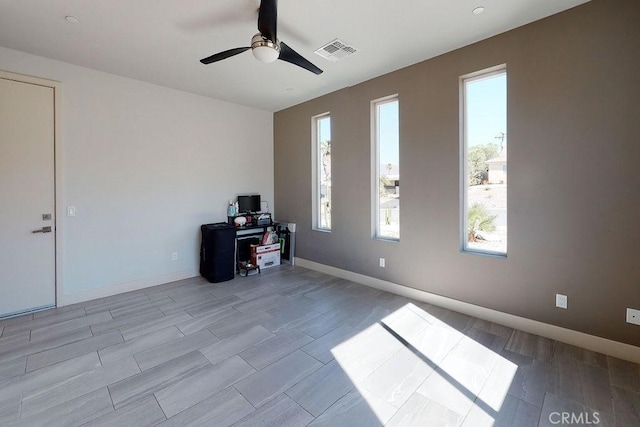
(247, 204)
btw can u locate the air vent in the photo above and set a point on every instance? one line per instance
(336, 50)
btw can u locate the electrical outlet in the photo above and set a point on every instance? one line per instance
(382, 262)
(72, 211)
(174, 256)
(633, 316)
(561, 301)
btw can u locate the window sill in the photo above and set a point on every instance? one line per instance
(501, 255)
(322, 230)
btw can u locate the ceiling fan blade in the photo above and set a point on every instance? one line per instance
(268, 19)
(289, 55)
(223, 55)
(292, 34)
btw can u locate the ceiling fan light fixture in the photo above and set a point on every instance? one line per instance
(264, 49)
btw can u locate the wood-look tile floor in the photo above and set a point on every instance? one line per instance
(293, 347)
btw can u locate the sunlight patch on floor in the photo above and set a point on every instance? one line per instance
(412, 366)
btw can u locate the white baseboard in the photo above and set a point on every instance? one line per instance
(124, 287)
(569, 336)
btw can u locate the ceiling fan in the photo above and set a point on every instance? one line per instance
(265, 45)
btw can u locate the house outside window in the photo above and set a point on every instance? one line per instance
(484, 162)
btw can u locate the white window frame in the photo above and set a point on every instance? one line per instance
(316, 166)
(375, 167)
(479, 75)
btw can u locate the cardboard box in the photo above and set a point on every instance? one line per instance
(265, 256)
(256, 250)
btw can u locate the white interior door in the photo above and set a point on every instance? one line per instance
(27, 192)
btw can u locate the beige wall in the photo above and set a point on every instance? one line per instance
(574, 154)
(145, 166)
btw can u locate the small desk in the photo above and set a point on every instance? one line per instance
(247, 233)
(244, 236)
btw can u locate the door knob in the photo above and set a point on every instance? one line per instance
(46, 229)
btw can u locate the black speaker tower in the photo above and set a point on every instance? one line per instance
(217, 252)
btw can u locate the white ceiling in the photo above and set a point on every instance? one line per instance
(162, 41)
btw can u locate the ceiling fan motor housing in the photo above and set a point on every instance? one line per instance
(264, 49)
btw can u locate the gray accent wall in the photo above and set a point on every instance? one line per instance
(574, 173)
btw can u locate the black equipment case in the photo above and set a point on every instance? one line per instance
(217, 252)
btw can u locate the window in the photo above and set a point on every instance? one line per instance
(386, 168)
(321, 158)
(484, 162)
